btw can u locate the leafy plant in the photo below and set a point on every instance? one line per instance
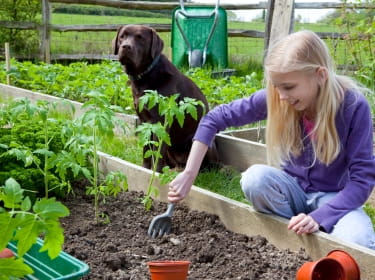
(43, 110)
(85, 135)
(33, 136)
(359, 29)
(155, 135)
(70, 81)
(23, 222)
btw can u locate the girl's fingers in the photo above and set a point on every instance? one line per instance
(303, 223)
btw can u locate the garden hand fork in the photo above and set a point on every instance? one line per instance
(161, 224)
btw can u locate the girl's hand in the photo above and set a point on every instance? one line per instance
(303, 223)
(180, 186)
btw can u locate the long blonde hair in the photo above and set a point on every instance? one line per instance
(303, 51)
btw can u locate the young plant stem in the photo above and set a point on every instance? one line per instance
(157, 158)
(95, 179)
(46, 160)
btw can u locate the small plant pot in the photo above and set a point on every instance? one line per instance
(350, 266)
(322, 269)
(6, 253)
(168, 270)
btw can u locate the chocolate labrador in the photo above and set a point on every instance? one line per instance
(139, 50)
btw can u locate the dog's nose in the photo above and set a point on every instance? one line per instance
(126, 47)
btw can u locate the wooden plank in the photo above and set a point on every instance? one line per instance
(7, 61)
(157, 27)
(45, 34)
(88, 56)
(281, 20)
(104, 27)
(239, 153)
(19, 25)
(146, 5)
(12, 92)
(154, 5)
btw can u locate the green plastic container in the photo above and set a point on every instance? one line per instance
(63, 267)
(191, 32)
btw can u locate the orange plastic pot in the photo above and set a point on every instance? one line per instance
(350, 266)
(323, 269)
(168, 270)
(6, 253)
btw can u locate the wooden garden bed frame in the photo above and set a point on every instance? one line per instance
(237, 217)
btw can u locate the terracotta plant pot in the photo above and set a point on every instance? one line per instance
(168, 270)
(350, 266)
(6, 253)
(322, 269)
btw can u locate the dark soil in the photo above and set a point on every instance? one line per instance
(122, 248)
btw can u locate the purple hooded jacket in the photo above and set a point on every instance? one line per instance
(351, 174)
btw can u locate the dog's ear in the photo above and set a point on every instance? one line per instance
(115, 40)
(157, 44)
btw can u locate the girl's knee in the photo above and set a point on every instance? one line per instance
(252, 180)
(363, 235)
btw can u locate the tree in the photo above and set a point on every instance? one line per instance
(22, 42)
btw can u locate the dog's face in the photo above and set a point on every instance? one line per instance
(137, 46)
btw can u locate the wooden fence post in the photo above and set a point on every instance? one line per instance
(7, 62)
(45, 32)
(280, 20)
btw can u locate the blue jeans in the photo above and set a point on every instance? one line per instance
(273, 191)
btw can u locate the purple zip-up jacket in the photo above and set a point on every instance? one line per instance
(351, 174)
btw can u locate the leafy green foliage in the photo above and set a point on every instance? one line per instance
(71, 81)
(22, 222)
(108, 77)
(39, 112)
(30, 143)
(155, 135)
(358, 25)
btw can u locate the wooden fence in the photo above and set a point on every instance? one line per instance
(279, 21)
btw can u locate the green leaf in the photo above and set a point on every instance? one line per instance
(27, 234)
(26, 204)
(8, 226)
(3, 146)
(50, 209)
(180, 118)
(12, 194)
(53, 240)
(12, 267)
(22, 154)
(44, 152)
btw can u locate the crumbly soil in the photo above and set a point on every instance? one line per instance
(122, 248)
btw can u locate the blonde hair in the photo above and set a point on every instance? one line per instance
(303, 51)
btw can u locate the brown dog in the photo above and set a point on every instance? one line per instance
(139, 50)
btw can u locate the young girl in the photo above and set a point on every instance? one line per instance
(319, 142)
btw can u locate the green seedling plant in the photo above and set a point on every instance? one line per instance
(171, 110)
(86, 133)
(23, 222)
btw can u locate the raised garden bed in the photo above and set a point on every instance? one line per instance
(236, 217)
